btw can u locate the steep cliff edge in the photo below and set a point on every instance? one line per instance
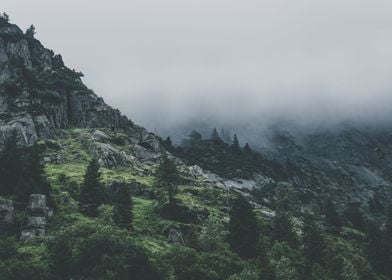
(38, 93)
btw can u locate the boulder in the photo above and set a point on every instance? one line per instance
(34, 222)
(7, 216)
(175, 235)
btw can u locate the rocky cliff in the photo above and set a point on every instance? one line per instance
(38, 93)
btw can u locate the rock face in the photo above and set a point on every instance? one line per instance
(34, 222)
(175, 236)
(39, 94)
(7, 213)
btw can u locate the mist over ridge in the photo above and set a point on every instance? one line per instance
(226, 64)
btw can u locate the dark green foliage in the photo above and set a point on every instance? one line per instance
(21, 170)
(235, 146)
(167, 143)
(375, 205)
(4, 19)
(332, 218)
(30, 32)
(61, 258)
(193, 265)
(10, 163)
(355, 218)
(215, 138)
(92, 190)
(94, 251)
(167, 178)
(283, 230)
(123, 208)
(378, 250)
(313, 244)
(243, 231)
(226, 160)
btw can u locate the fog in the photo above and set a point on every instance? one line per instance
(225, 62)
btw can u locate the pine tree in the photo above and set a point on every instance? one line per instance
(243, 231)
(354, 215)
(215, 137)
(332, 218)
(10, 164)
(30, 32)
(123, 208)
(247, 149)
(167, 143)
(313, 243)
(61, 258)
(92, 190)
(283, 230)
(235, 146)
(167, 178)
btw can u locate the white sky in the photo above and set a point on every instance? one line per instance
(160, 61)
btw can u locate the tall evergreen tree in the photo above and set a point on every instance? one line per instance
(61, 258)
(215, 137)
(313, 243)
(283, 230)
(167, 178)
(243, 231)
(167, 143)
(123, 208)
(10, 164)
(332, 218)
(92, 190)
(247, 149)
(235, 146)
(354, 216)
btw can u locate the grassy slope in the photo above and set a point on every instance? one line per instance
(149, 227)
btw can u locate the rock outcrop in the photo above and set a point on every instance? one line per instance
(34, 222)
(7, 216)
(39, 94)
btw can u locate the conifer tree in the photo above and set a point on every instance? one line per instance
(235, 146)
(313, 243)
(10, 164)
(123, 208)
(215, 137)
(243, 231)
(167, 143)
(167, 178)
(61, 258)
(92, 190)
(247, 149)
(30, 32)
(283, 230)
(332, 218)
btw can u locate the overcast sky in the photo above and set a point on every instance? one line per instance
(159, 61)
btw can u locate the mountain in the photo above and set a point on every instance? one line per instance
(87, 194)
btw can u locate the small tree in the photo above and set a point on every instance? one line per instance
(235, 146)
(167, 143)
(61, 258)
(215, 137)
(30, 32)
(123, 208)
(167, 178)
(243, 231)
(314, 246)
(332, 218)
(247, 149)
(92, 190)
(283, 230)
(10, 164)
(4, 18)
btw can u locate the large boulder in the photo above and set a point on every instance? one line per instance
(34, 222)
(7, 216)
